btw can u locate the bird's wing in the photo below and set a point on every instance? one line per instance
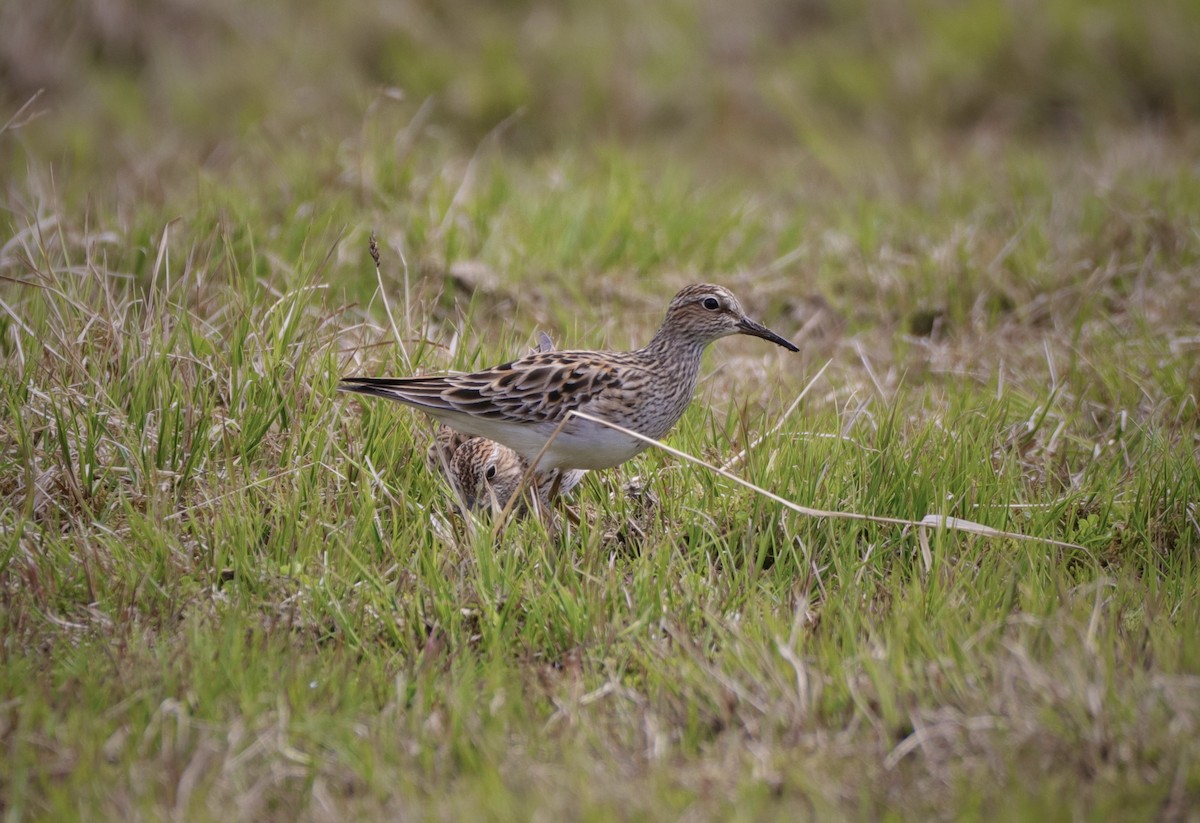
(541, 387)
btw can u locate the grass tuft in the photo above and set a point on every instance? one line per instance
(226, 590)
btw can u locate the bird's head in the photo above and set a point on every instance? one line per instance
(702, 313)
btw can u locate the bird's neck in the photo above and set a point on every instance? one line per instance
(667, 344)
(677, 359)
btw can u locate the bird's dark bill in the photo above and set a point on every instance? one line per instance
(748, 326)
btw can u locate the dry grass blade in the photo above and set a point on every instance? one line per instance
(737, 458)
(15, 122)
(387, 306)
(213, 501)
(929, 521)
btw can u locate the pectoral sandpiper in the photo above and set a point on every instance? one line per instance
(520, 404)
(485, 475)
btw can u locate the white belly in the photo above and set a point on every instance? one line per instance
(581, 444)
(590, 446)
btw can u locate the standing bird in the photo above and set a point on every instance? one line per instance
(519, 404)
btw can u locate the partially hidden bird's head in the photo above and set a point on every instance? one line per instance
(702, 313)
(485, 474)
(441, 451)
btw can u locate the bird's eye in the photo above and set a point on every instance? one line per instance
(711, 303)
(491, 472)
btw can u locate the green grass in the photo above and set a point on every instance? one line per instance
(228, 591)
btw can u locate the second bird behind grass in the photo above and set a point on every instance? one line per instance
(520, 403)
(485, 475)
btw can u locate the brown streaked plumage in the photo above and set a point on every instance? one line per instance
(484, 473)
(519, 404)
(446, 442)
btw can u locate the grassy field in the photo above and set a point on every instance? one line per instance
(227, 592)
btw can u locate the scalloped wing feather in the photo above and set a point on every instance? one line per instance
(539, 388)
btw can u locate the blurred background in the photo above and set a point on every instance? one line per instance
(909, 163)
(122, 79)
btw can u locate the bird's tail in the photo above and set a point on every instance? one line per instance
(425, 392)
